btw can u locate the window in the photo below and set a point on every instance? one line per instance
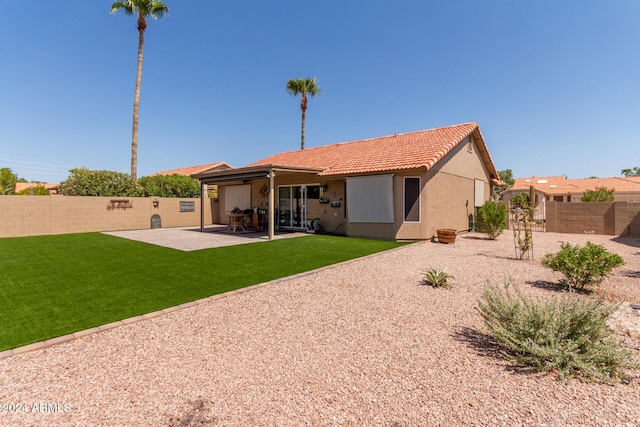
(237, 196)
(412, 199)
(557, 198)
(370, 198)
(313, 192)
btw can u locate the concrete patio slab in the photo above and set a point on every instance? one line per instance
(192, 239)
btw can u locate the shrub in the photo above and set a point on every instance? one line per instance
(567, 335)
(600, 194)
(170, 186)
(585, 266)
(492, 218)
(520, 198)
(85, 182)
(437, 277)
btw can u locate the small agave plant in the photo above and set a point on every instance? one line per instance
(437, 277)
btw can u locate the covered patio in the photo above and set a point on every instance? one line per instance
(250, 174)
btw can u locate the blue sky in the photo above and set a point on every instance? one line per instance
(553, 85)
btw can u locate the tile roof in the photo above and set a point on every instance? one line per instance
(190, 170)
(556, 185)
(415, 150)
(53, 188)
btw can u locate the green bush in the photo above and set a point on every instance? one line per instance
(567, 335)
(520, 198)
(170, 186)
(492, 218)
(38, 190)
(85, 182)
(437, 277)
(585, 266)
(600, 194)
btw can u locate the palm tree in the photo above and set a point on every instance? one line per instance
(308, 86)
(143, 8)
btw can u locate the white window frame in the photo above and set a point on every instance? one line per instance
(404, 198)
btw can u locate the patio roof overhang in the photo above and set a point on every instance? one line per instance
(250, 173)
(247, 174)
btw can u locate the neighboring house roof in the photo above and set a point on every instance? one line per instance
(415, 150)
(557, 185)
(188, 171)
(53, 188)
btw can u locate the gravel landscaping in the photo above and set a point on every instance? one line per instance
(361, 343)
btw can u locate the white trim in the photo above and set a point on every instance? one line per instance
(418, 200)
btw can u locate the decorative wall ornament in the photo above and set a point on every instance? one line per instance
(119, 204)
(264, 190)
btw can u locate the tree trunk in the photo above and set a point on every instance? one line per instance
(302, 137)
(136, 101)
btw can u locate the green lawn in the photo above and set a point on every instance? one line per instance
(55, 285)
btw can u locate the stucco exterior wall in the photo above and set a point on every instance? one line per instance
(57, 214)
(450, 190)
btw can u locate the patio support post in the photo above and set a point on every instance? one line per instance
(271, 175)
(202, 186)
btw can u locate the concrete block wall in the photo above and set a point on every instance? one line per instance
(616, 219)
(57, 214)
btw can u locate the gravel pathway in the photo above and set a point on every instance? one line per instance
(362, 343)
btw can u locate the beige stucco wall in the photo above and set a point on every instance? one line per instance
(57, 214)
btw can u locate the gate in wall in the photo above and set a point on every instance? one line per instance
(536, 216)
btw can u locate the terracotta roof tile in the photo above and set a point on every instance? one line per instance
(195, 169)
(555, 185)
(53, 188)
(422, 149)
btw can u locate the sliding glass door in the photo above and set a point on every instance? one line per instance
(293, 204)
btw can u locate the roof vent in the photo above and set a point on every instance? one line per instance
(542, 181)
(552, 186)
(527, 180)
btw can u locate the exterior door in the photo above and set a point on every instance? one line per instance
(292, 205)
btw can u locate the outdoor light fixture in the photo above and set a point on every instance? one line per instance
(156, 203)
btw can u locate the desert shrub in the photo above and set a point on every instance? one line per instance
(85, 182)
(582, 266)
(437, 277)
(521, 220)
(38, 190)
(170, 186)
(492, 218)
(567, 335)
(600, 194)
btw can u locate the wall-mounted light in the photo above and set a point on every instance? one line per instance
(156, 203)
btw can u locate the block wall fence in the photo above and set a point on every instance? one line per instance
(616, 219)
(58, 214)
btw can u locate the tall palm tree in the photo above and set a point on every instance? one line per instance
(143, 8)
(308, 86)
